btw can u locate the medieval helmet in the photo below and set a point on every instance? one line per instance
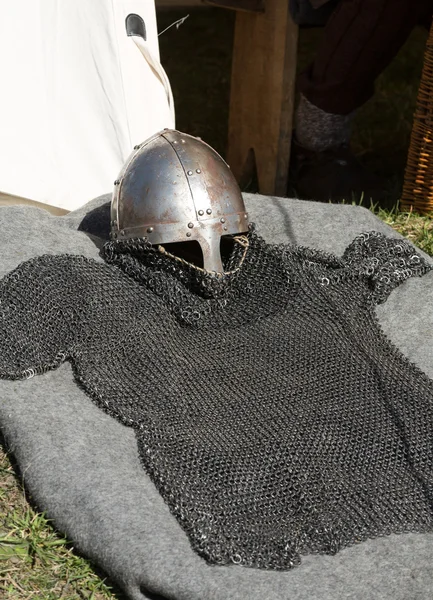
(175, 188)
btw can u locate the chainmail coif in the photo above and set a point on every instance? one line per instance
(271, 412)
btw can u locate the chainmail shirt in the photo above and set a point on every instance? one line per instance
(271, 411)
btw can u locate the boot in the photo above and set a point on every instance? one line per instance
(335, 175)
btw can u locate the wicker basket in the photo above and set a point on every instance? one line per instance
(418, 178)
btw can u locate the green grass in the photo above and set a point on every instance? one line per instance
(35, 561)
(419, 230)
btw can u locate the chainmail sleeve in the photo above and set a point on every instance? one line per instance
(37, 330)
(383, 263)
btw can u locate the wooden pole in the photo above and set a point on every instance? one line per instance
(262, 96)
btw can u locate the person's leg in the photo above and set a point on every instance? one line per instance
(360, 40)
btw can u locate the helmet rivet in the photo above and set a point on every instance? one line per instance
(222, 220)
(137, 147)
(190, 225)
(183, 141)
(225, 228)
(117, 182)
(149, 229)
(246, 215)
(189, 172)
(198, 170)
(208, 211)
(188, 234)
(201, 212)
(174, 142)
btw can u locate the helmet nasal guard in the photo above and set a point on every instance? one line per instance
(176, 188)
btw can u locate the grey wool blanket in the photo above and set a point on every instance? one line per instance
(82, 467)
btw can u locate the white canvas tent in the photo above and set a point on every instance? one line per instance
(77, 93)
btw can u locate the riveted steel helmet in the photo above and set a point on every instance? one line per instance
(176, 188)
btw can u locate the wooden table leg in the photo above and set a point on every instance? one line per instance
(262, 96)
